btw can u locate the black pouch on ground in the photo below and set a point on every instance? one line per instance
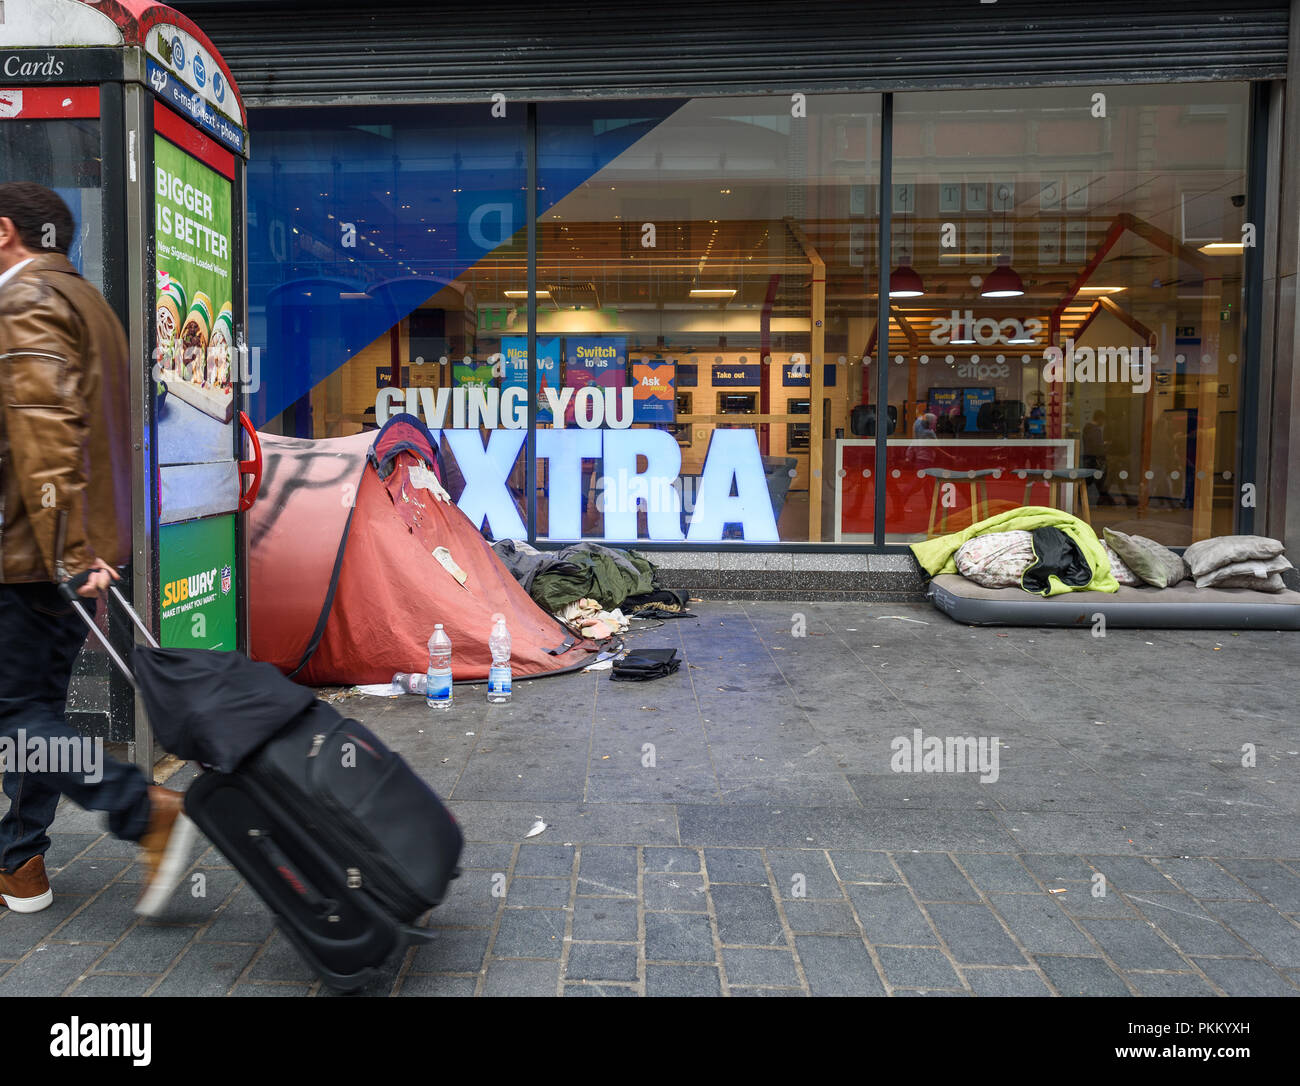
(641, 665)
(345, 844)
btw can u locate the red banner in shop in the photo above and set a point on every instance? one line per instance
(909, 496)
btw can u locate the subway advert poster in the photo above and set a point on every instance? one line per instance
(194, 406)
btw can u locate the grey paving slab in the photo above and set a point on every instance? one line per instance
(206, 969)
(934, 877)
(787, 826)
(1170, 985)
(993, 871)
(803, 874)
(105, 917)
(682, 980)
(19, 932)
(682, 893)
(1263, 927)
(913, 967)
(601, 961)
(451, 951)
(113, 986)
(582, 823)
(423, 985)
(671, 860)
(280, 961)
(1239, 977)
(747, 915)
(1005, 982)
(147, 948)
(679, 937)
(1133, 944)
(1187, 923)
(828, 917)
(522, 979)
(241, 919)
(530, 933)
(1040, 925)
(974, 935)
(543, 893)
(735, 865)
(1082, 976)
(888, 914)
(1079, 899)
(543, 860)
(489, 856)
(836, 966)
(604, 919)
(864, 866)
(1270, 880)
(750, 966)
(261, 989)
(1204, 878)
(608, 870)
(49, 969)
(1131, 873)
(599, 990)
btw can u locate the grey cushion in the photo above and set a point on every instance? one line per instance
(1229, 576)
(1155, 564)
(1225, 550)
(1271, 583)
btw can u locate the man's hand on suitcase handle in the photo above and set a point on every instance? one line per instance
(91, 582)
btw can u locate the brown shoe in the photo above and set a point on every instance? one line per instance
(166, 847)
(27, 890)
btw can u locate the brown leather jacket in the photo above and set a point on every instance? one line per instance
(65, 444)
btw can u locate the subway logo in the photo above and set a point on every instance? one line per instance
(186, 588)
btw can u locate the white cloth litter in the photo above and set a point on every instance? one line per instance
(425, 479)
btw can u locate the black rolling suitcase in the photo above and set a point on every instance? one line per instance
(339, 837)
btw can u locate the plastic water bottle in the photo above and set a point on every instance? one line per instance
(410, 683)
(437, 693)
(498, 691)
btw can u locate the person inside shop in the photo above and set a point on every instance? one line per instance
(1036, 420)
(65, 372)
(1095, 447)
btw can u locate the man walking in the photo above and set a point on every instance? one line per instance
(65, 485)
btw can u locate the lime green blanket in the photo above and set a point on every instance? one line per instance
(937, 555)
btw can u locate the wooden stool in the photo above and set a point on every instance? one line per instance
(979, 494)
(1054, 478)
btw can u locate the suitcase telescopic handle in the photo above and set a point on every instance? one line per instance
(69, 590)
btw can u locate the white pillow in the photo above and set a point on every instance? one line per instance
(1119, 570)
(997, 559)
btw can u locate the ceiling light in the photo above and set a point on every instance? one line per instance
(906, 283)
(1002, 282)
(524, 293)
(1223, 248)
(1101, 290)
(713, 292)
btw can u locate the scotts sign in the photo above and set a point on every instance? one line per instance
(986, 331)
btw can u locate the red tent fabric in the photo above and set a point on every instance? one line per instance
(391, 590)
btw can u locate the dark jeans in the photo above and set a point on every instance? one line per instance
(40, 635)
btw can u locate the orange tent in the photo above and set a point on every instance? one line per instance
(344, 585)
